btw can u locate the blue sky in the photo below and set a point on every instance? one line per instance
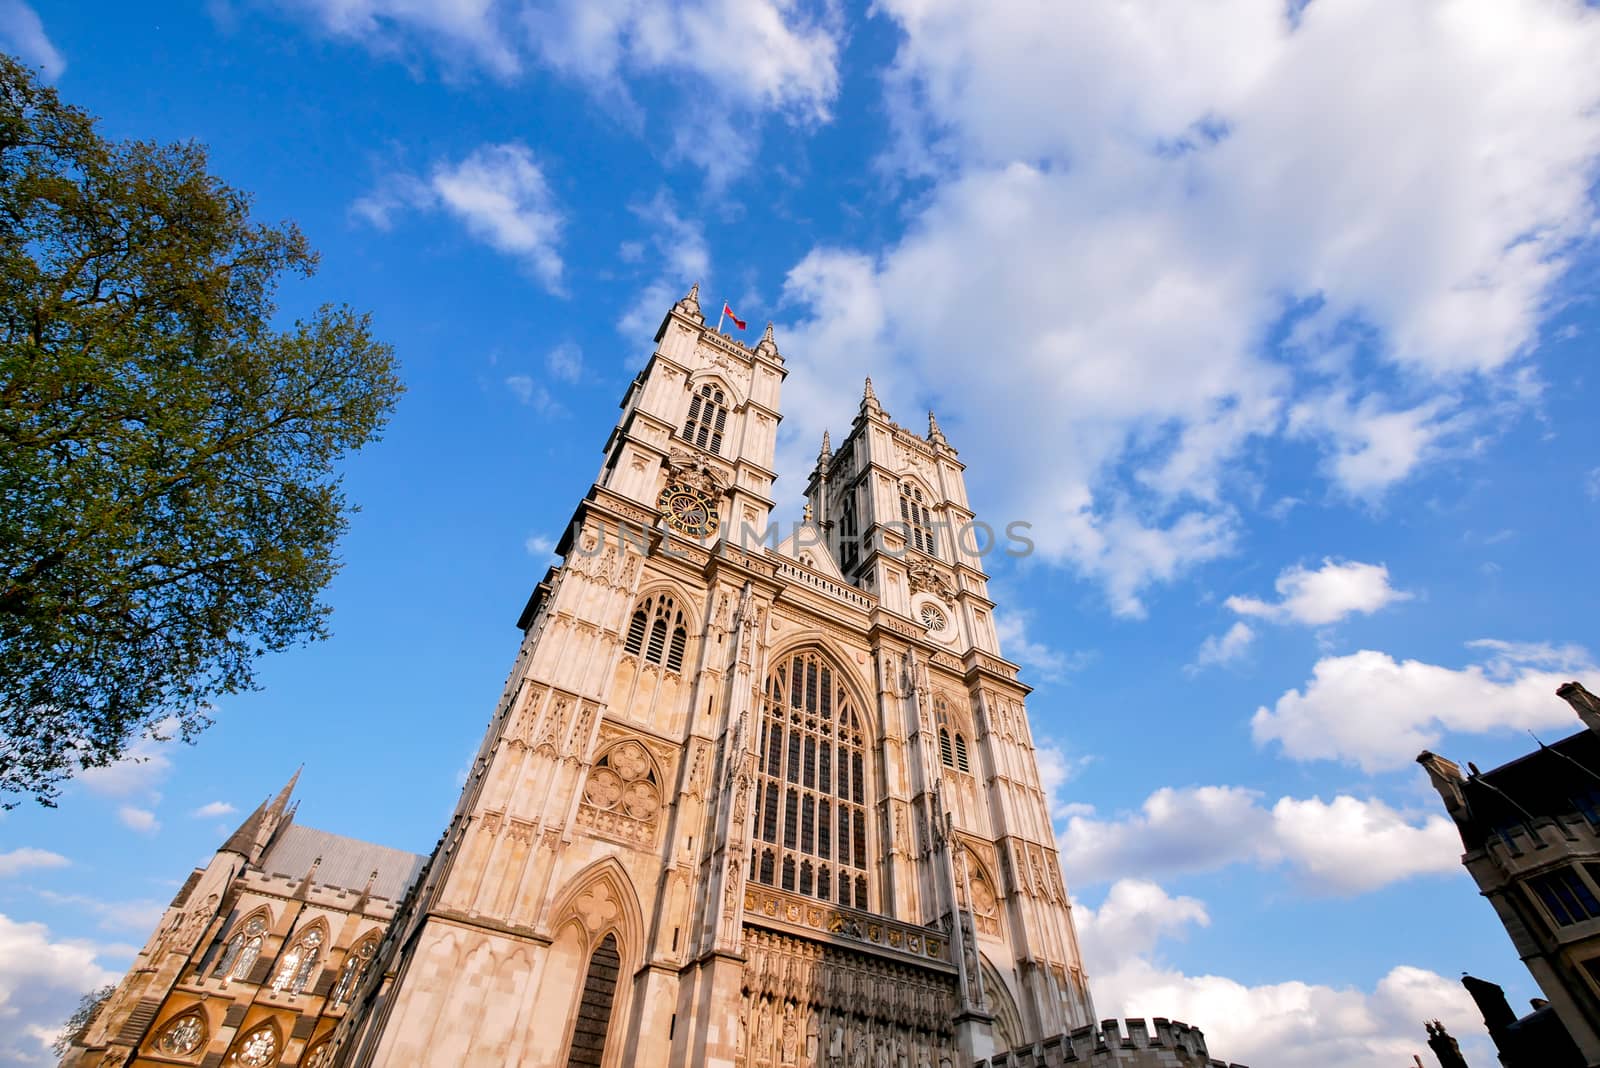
(1276, 321)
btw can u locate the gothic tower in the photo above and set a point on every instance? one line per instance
(746, 800)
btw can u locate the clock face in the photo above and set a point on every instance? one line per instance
(689, 510)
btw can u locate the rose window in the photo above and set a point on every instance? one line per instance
(258, 1050)
(183, 1036)
(624, 781)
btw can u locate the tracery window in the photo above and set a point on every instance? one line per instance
(258, 1049)
(355, 965)
(849, 538)
(657, 633)
(183, 1035)
(242, 949)
(594, 1009)
(708, 418)
(811, 814)
(914, 514)
(321, 1057)
(299, 964)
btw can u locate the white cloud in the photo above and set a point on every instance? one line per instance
(1291, 1023)
(539, 545)
(1204, 184)
(144, 767)
(1224, 648)
(21, 860)
(136, 916)
(1051, 665)
(535, 395)
(22, 33)
(1369, 709)
(787, 55)
(1057, 767)
(1326, 595)
(40, 983)
(681, 255)
(138, 819)
(1346, 846)
(565, 362)
(498, 192)
(214, 809)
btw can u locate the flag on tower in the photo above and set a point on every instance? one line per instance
(729, 313)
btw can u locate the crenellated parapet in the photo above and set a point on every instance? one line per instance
(1159, 1043)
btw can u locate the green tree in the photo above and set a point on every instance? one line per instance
(169, 502)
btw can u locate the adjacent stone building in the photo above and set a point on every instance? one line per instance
(258, 956)
(751, 798)
(1531, 830)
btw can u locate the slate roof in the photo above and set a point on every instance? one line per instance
(346, 862)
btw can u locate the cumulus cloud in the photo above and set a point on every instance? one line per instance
(1292, 1024)
(1326, 595)
(498, 192)
(144, 767)
(22, 34)
(1204, 191)
(1224, 648)
(1346, 846)
(1377, 712)
(682, 258)
(26, 858)
(40, 982)
(138, 819)
(214, 809)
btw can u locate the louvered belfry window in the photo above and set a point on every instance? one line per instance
(914, 514)
(657, 633)
(708, 419)
(811, 803)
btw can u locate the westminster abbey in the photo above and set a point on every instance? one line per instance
(747, 801)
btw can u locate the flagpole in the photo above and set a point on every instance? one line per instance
(723, 316)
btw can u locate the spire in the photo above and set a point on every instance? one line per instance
(826, 452)
(768, 345)
(935, 435)
(690, 304)
(243, 840)
(869, 401)
(281, 802)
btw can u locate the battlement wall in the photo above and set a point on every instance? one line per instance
(1161, 1043)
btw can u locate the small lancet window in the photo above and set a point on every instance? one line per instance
(354, 967)
(961, 754)
(914, 514)
(657, 633)
(946, 754)
(708, 419)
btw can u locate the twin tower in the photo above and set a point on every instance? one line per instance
(743, 803)
(747, 801)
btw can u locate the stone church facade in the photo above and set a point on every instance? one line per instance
(750, 798)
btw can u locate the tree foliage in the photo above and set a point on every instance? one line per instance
(78, 1023)
(169, 502)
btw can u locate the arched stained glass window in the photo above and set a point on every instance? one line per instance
(594, 1008)
(914, 514)
(657, 633)
(355, 965)
(708, 418)
(811, 804)
(299, 964)
(240, 954)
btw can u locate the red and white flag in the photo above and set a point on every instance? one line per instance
(727, 311)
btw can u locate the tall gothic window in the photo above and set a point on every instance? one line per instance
(594, 1010)
(242, 950)
(914, 514)
(297, 966)
(708, 418)
(354, 966)
(811, 815)
(849, 538)
(657, 633)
